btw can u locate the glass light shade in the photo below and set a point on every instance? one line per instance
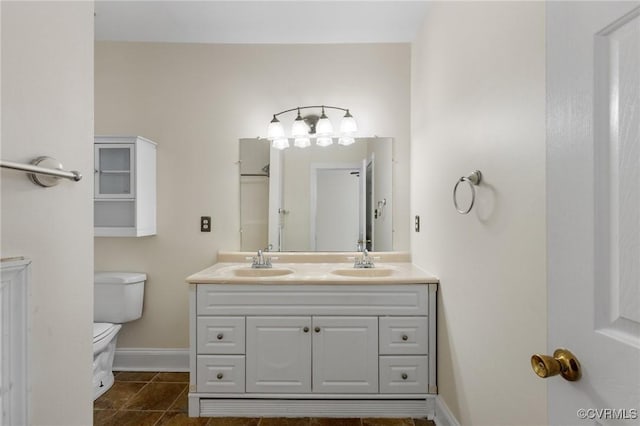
(302, 142)
(346, 140)
(348, 124)
(324, 126)
(281, 143)
(324, 140)
(275, 130)
(299, 128)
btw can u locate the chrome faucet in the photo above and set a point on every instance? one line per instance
(261, 261)
(365, 261)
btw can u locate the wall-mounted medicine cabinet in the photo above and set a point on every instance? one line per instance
(125, 186)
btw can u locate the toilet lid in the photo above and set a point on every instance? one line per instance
(101, 329)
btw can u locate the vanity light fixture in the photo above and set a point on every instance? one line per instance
(312, 126)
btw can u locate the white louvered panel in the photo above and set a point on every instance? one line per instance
(234, 299)
(315, 408)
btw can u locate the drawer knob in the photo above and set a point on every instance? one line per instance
(317, 329)
(404, 376)
(405, 337)
(220, 336)
(220, 376)
(306, 329)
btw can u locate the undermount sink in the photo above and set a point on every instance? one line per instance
(261, 272)
(363, 272)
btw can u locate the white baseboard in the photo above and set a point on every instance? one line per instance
(443, 416)
(151, 359)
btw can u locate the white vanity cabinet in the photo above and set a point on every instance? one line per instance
(124, 186)
(323, 354)
(347, 350)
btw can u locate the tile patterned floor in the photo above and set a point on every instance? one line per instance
(160, 399)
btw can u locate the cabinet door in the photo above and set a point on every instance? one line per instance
(345, 354)
(278, 354)
(114, 166)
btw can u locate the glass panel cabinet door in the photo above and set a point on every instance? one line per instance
(114, 171)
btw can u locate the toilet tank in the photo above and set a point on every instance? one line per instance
(118, 296)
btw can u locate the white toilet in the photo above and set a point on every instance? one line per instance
(117, 299)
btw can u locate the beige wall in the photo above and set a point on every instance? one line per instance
(47, 109)
(196, 101)
(478, 102)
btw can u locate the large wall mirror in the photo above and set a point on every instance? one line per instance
(335, 198)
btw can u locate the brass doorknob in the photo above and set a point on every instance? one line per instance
(562, 362)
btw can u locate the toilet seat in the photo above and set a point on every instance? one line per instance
(101, 330)
(103, 333)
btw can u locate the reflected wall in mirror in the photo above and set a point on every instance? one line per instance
(335, 198)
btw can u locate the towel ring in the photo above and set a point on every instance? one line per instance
(473, 180)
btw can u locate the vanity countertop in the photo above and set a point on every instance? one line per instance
(313, 268)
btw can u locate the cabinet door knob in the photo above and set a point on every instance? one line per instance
(317, 329)
(220, 336)
(405, 337)
(404, 376)
(306, 329)
(220, 376)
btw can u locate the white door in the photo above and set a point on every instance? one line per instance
(278, 354)
(335, 207)
(345, 354)
(593, 202)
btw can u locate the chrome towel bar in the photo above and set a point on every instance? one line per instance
(43, 171)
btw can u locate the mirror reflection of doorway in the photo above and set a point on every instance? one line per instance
(335, 198)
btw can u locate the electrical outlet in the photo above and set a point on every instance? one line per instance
(417, 223)
(205, 223)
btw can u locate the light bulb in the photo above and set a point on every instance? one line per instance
(348, 124)
(324, 141)
(281, 143)
(302, 142)
(275, 129)
(346, 140)
(324, 126)
(299, 128)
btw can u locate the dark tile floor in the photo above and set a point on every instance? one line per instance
(160, 399)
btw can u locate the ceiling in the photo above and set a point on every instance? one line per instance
(285, 22)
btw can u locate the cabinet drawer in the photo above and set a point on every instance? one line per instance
(404, 335)
(220, 335)
(220, 373)
(404, 374)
